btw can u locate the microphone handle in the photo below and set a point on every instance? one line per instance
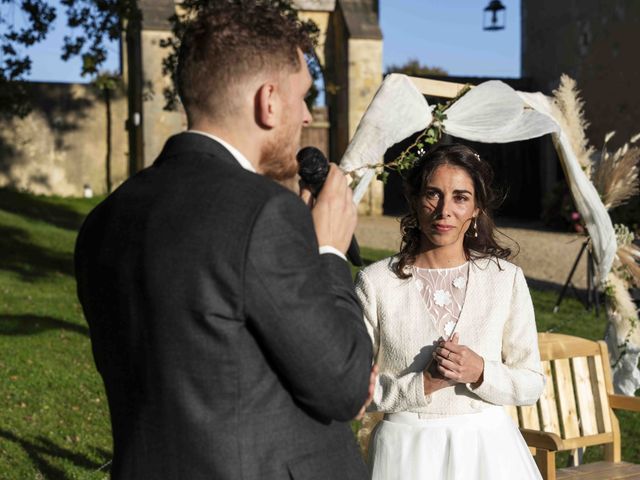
(353, 254)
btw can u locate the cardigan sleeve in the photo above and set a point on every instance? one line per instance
(518, 378)
(392, 392)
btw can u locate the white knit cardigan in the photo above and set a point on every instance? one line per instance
(497, 322)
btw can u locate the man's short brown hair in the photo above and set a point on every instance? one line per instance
(231, 39)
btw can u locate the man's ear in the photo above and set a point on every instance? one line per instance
(267, 104)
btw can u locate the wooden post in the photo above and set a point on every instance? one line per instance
(546, 462)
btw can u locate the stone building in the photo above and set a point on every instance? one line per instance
(350, 52)
(596, 43)
(61, 146)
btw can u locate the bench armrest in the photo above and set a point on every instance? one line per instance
(624, 402)
(545, 440)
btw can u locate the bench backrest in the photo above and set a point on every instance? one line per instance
(574, 404)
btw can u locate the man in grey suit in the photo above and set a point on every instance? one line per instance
(222, 314)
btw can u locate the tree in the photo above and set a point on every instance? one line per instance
(108, 83)
(414, 68)
(92, 23)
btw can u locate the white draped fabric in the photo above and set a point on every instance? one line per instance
(397, 111)
(492, 112)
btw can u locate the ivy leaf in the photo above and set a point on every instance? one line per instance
(383, 176)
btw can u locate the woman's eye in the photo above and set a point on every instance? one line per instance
(461, 198)
(432, 194)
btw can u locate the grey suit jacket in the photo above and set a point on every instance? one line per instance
(229, 348)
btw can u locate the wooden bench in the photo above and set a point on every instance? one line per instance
(576, 410)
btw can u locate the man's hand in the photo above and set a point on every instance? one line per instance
(458, 362)
(334, 214)
(307, 197)
(372, 386)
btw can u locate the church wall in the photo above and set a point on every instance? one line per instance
(61, 145)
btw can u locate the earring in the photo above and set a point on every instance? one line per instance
(475, 227)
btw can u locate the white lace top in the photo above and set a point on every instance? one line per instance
(443, 291)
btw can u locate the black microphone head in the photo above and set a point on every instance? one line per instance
(314, 168)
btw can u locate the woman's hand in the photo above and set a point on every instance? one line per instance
(458, 362)
(433, 379)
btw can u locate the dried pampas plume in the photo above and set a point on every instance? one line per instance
(615, 175)
(369, 422)
(627, 256)
(568, 111)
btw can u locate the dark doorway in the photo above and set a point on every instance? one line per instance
(524, 171)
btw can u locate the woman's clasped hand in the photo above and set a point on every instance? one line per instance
(458, 362)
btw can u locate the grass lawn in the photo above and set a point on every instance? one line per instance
(54, 420)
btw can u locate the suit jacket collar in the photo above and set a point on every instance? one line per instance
(187, 143)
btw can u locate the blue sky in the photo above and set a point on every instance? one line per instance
(449, 34)
(443, 33)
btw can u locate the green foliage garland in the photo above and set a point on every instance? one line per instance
(430, 136)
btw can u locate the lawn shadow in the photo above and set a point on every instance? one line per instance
(33, 324)
(30, 261)
(41, 448)
(579, 294)
(40, 208)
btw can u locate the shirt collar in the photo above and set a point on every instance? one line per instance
(242, 160)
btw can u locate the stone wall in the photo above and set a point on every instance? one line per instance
(317, 134)
(365, 76)
(61, 145)
(159, 124)
(596, 43)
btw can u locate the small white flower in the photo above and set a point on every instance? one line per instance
(458, 282)
(442, 298)
(419, 284)
(448, 328)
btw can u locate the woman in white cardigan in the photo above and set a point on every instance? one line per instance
(454, 334)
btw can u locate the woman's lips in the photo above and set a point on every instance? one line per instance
(443, 228)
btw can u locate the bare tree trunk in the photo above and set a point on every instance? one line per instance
(107, 101)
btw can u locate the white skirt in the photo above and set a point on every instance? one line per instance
(476, 446)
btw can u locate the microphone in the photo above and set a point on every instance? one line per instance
(313, 171)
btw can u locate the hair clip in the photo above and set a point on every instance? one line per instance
(477, 156)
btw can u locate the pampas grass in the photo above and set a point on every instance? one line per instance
(622, 310)
(568, 111)
(369, 422)
(615, 175)
(627, 256)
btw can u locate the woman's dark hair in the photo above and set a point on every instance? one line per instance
(457, 155)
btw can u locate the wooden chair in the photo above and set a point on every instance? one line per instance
(576, 410)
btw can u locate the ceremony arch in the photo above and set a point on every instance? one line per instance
(493, 112)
